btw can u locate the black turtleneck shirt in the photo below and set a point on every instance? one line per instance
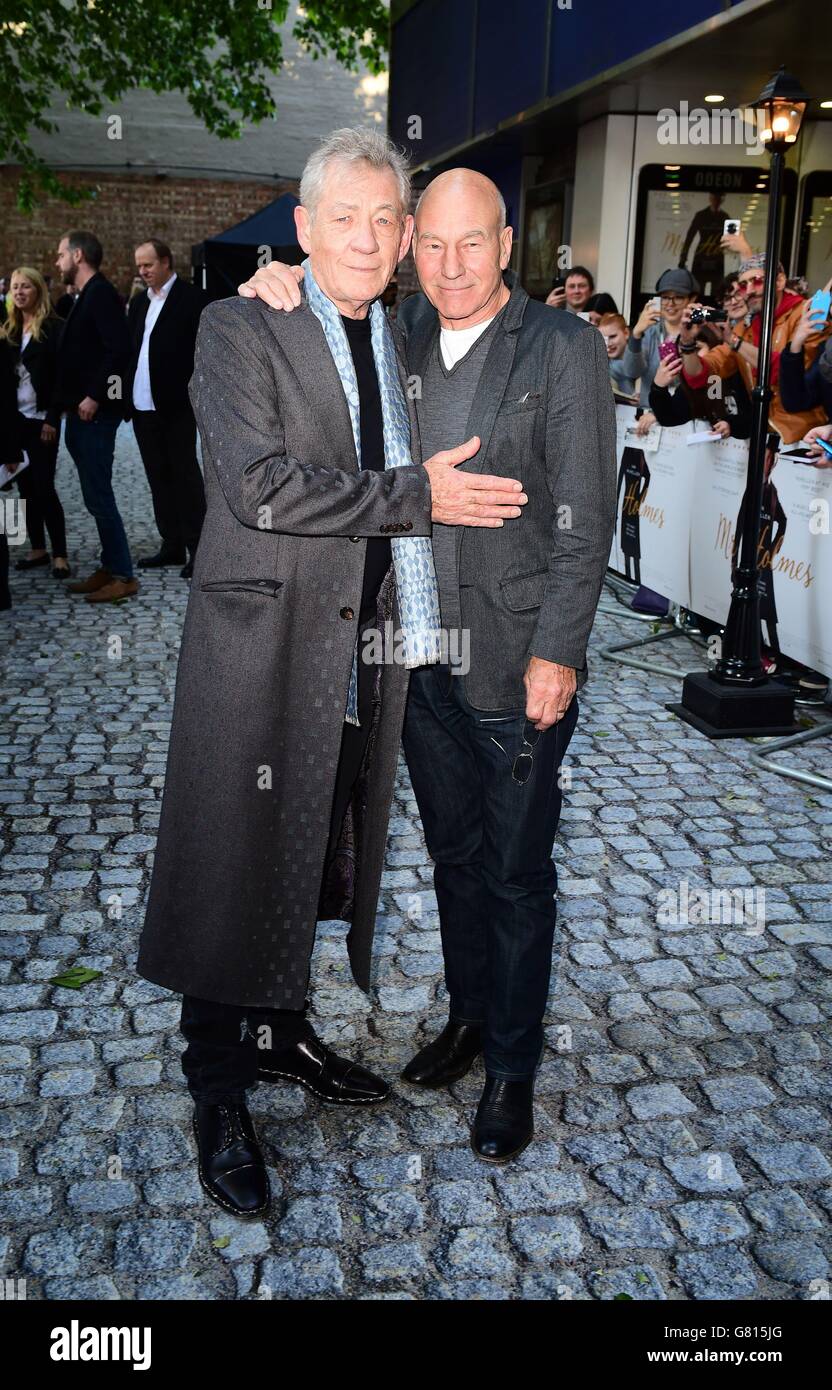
(378, 556)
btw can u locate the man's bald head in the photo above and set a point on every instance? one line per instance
(462, 246)
(463, 183)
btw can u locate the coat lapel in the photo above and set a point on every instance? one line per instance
(168, 310)
(303, 340)
(421, 341)
(491, 389)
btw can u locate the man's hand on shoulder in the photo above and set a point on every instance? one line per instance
(277, 284)
(470, 499)
(549, 691)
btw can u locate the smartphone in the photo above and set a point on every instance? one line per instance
(801, 455)
(655, 302)
(668, 351)
(821, 302)
(731, 226)
(560, 283)
(826, 447)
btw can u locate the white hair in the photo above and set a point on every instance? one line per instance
(353, 145)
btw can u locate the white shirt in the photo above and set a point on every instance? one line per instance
(142, 394)
(27, 401)
(455, 342)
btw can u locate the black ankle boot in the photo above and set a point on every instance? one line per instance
(231, 1166)
(504, 1123)
(331, 1078)
(448, 1057)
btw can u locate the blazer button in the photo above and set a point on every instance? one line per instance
(353, 539)
(347, 613)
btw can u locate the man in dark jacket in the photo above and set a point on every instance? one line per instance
(92, 361)
(162, 324)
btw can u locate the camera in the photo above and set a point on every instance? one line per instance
(708, 316)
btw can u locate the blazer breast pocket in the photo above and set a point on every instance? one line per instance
(266, 588)
(518, 405)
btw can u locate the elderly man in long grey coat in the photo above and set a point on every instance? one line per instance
(284, 739)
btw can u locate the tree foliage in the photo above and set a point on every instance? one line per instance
(219, 54)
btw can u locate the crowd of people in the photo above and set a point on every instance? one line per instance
(679, 340)
(89, 361)
(693, 357)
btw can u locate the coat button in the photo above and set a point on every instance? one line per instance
(353, 539)
(347, 613)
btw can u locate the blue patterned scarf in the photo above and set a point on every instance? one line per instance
(412, 555)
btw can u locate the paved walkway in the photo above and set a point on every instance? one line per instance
(683, 1103)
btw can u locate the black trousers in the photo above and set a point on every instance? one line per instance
(37, 488)
(167, 444)
(220, 1060)
(490, 835)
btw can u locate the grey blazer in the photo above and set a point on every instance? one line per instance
(544, 412)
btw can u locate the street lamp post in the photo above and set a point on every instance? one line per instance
(737, 698)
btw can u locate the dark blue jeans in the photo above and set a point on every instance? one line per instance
(91, 444)
(490, 837)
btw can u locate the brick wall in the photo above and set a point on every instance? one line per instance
(128, 208)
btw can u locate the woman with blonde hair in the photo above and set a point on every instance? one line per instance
(28, 355)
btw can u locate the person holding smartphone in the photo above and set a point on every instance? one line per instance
(572, 291)
(740, 353)
(820, 439)
(674, 402)
(659, 320)
(805, 387)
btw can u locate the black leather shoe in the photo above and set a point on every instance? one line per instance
(231, 1166)
(448, 1057)
(26, 564)
(160, 559)
(334, 1079)
(504, 1122)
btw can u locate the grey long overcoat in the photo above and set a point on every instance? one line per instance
(264, 670)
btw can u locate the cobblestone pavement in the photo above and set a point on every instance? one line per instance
(682, 1105)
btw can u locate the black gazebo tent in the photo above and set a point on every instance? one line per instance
(222, 262)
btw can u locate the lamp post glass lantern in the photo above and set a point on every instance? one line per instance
(737, 698)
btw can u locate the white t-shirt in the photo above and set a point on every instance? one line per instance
(27, 401)
(455, 342)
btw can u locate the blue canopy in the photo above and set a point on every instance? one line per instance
(222, 262)
(273, 225)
